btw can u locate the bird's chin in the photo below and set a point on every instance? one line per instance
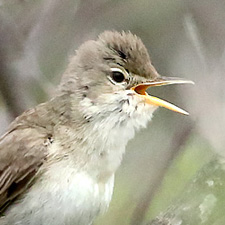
(138, 111)
(140, 106)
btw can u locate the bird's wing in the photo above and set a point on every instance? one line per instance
(22, 152)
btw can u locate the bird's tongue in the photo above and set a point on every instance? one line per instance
(140, 90)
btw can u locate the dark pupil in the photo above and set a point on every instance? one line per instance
(118, 76)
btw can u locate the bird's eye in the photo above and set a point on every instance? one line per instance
(117, 75)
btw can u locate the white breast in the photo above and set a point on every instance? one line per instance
(63, 196)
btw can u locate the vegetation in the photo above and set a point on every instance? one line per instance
(173, 172)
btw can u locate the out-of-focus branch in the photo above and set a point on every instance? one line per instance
(178, 141)
(10, 47)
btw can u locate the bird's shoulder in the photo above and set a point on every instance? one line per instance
(23, 149)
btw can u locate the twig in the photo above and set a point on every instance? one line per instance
(144, 202)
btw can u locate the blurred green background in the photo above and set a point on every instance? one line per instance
(185, 39)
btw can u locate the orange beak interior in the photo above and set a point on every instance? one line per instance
(140, 90)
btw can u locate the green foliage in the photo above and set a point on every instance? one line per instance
(202, 201)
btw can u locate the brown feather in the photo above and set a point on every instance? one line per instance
(22, 152)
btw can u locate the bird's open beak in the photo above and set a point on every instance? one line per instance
(140, 90)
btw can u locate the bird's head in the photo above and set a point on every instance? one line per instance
(110, 76)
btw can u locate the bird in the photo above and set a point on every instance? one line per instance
(58, 160)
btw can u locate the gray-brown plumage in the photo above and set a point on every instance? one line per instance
(57, 160)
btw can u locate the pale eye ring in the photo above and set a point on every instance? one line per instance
(118, 76)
